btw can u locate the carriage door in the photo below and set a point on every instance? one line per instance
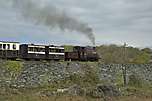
(1, 51)
(4, 51)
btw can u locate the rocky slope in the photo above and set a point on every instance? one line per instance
(70, 75)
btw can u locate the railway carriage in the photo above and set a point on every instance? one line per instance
(41, 52)
(9, 50)
(31, 51)
(54, 52)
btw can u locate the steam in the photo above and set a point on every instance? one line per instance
(50, 16)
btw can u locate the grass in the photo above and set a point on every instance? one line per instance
(135, 98)
(35, 94)
(13, 66)
(27, 97)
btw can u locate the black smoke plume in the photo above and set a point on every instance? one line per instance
(50, 16)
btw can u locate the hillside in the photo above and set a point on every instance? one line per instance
(121, 54)
(92, 80)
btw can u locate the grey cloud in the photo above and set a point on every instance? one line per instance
(114, 21)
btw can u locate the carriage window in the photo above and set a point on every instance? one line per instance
(62, 50)
(0, 46)
(39, 49)
(8, 46)
(42, 50)
(36, 49)
(57, 50)
(30, 49)
(4, 46)
(52, 50)
(14, 46)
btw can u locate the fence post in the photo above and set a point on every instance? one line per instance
(124, 70)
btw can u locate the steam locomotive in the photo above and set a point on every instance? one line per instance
(15, 50)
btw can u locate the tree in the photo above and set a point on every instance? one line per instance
(117, 54)
(142, 58)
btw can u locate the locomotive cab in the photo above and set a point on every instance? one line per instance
(82, 54)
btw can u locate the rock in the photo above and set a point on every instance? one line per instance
(37, 73)
(102, 91)
(75, 90)
(46, 93)
(108, 90)
(95, 93)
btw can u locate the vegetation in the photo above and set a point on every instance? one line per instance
(88, 79)
(135, 91)
(68, 48)
(34, 97)
(44, 98)
(142, 58)
(121, 54)
(14, 67)
(135, 81)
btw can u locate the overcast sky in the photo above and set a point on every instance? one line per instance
(113, 21)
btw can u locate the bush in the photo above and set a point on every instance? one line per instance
(135, 81)
(91, 77)
(142, 58)
(14, 67)
(121, 54)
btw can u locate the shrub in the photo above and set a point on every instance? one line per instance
(14, 67)
(135, 81)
